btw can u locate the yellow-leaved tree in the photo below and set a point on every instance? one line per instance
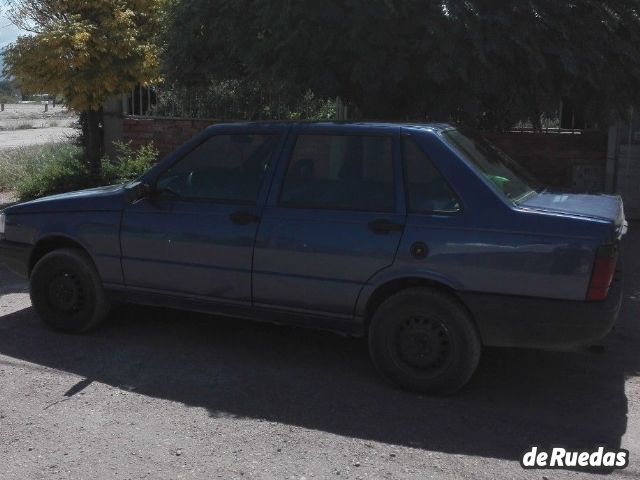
(86, 51)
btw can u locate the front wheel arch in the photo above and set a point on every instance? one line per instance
(66, 291)
(49, 244)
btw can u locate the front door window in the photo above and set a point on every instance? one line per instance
(225, 168)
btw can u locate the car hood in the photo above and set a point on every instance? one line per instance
(108, 198)
(602, 207)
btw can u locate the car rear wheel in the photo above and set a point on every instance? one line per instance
(66, 291)
(424, 340)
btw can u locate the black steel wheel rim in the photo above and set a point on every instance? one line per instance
(66, 293)
(423, 344)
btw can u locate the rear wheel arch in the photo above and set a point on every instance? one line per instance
(423, 339)
(391, 287)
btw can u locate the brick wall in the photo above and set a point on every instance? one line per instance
(559, 161)
(167, 134)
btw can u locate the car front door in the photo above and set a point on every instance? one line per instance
(194, 235)
(334, 218)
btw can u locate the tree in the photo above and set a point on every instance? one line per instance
(485, 62)
(86, 51)
(9, 91)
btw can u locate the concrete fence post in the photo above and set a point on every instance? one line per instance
(613, 143)
(341, 110)
(125, 104)
(113, 110)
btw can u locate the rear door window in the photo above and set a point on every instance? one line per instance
(342, 172)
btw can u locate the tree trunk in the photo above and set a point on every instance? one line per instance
(93, 142)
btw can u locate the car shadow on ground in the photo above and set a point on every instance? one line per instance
(322, 381)
(10, 285)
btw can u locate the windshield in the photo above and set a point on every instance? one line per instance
(509, 178)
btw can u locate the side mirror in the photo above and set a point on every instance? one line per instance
(137, 191)
(146, 190)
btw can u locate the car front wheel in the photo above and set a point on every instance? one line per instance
(424, 340)
(66, 291)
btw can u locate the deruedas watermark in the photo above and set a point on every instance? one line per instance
(559, 457)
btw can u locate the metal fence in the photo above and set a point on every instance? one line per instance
(229, 101)
(549, 130)
(141, 101)
(233, 100)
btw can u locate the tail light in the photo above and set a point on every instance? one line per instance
(603, 271)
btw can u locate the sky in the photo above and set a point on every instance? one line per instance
(8, 31)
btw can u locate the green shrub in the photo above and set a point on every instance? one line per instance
(59, 169)
(37, 171)
(129, 164)
(5, 98)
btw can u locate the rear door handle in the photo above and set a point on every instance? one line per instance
(244, 218)
(383, 226)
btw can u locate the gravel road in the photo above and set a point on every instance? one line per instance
(166, 395)
(36, 136)
(56, 125)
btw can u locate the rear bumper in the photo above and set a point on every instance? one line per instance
(15, 256)
(543, 323)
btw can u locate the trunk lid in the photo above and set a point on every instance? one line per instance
(603, 207)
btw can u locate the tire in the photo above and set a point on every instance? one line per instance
(424, 340)
(67, 293)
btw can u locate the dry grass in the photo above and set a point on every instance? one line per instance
(18, 164)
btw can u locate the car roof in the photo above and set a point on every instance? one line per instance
(338, 125)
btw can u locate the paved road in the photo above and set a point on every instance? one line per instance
(165, 395)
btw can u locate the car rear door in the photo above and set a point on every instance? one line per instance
(195, 236)
(333, 219)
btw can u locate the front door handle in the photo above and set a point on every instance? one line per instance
(244, 218)
(383, 226)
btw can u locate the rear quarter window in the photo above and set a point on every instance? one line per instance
(427, 189)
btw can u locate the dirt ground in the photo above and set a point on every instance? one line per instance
(7, 198)
(29, 124)
(166, 395)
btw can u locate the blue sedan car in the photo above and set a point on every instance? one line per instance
(423, 237)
